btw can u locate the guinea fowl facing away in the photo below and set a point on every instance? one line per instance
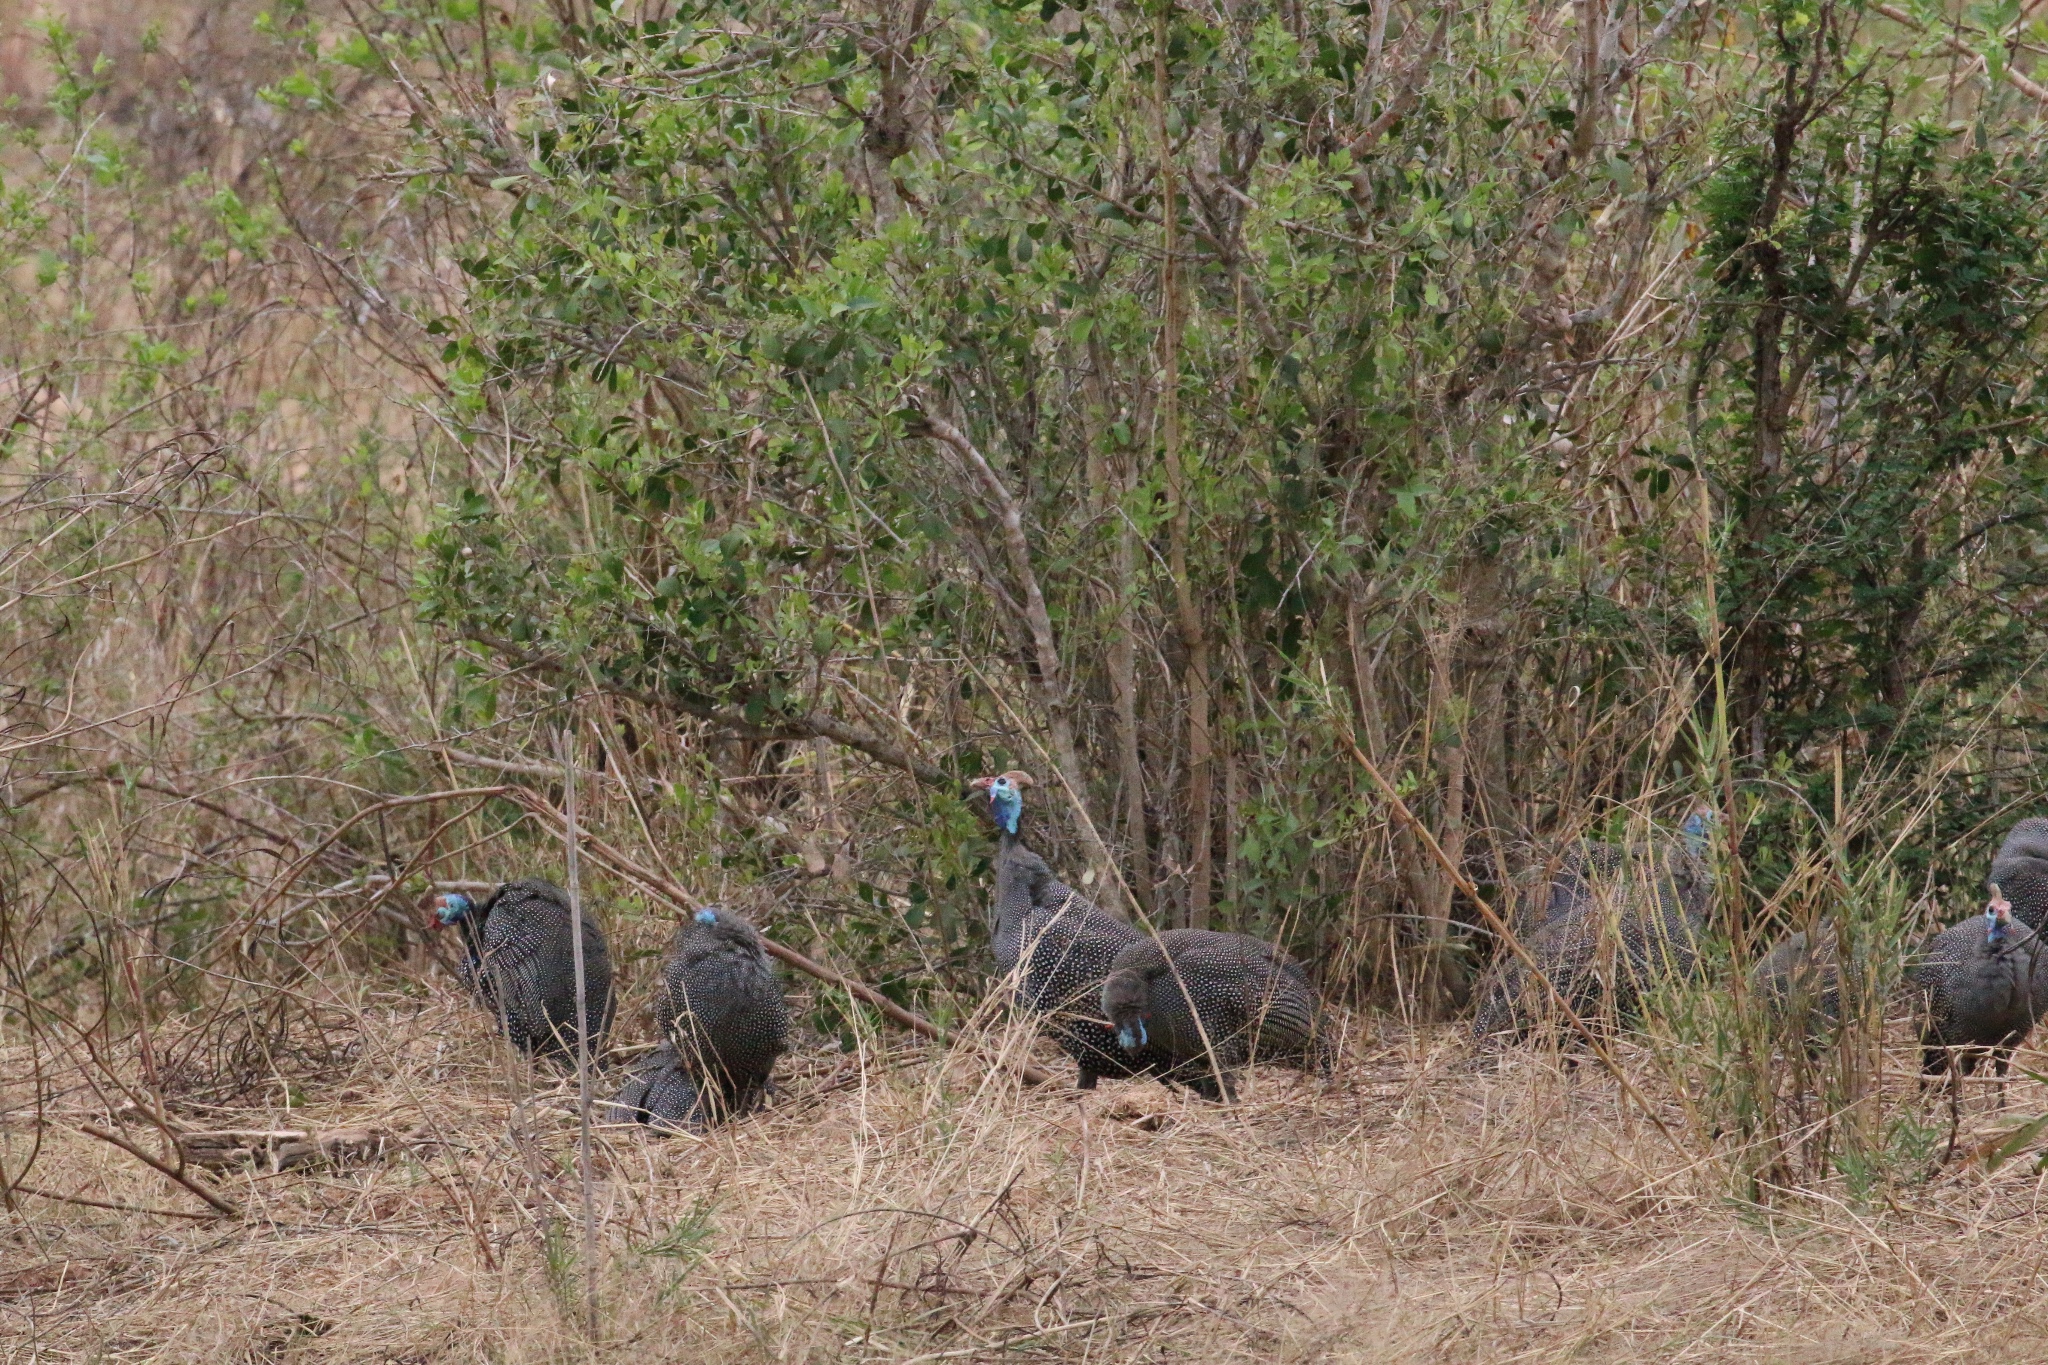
(1056, 945)
(520, 961)
(722, 1010)
(1633, 926)
(1986, 982)
(1213, 1003)
(2021, 871)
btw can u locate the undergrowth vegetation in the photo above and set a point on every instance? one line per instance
(769, 416)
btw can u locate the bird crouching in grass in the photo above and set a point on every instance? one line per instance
(519, 960)
(722, 1010)
(1213, 1003)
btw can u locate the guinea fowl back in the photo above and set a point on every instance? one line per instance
(521, 963)
(660, 1093)
(2020, 872)
(722, 1008)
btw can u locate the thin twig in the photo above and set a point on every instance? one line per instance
(225, 1209)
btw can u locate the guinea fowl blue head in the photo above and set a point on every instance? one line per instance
(1131, 1036)
(1006, 798)
(451, 907)
(1694, 830)
(708, 915)
(1997, 917)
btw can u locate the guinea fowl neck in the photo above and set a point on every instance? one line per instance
(471, 927)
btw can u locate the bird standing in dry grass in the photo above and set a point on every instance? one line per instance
(519, 960)
(1058, 944)
(1986, 983)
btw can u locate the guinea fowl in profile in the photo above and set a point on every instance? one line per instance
(1213, 1003)
(1056, 944)
(722, 1009)
(519, 959)
(1986, 982)
(1015, 865)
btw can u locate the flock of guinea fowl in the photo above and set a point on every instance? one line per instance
(1196, 1007)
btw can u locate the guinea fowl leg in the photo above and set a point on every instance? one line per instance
(1086, 1078)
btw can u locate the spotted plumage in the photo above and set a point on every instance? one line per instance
(722, 1010)
(659, 1093)
(1067, 946)
(519, 960)
(1626, 929)
(2021, 872)
(1984, 983)
(1055, 946)
(1213, 1003)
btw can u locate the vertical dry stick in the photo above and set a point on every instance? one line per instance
(1122, 657)
(1201, 837)
(570, 839)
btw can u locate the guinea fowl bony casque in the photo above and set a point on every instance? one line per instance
(519, 959)
(1213, 1003)
(1985, 983)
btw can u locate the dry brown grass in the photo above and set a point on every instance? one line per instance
(894, 1205)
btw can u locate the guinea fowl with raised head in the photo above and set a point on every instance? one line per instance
(1985, 983)
(1056, 945)
(519, 959)
(1015, 865)
(1213, 1003)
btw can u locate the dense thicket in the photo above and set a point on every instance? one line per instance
(1163, 396)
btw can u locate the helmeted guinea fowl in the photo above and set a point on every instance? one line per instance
(1057, 945)
(722, 1010)
(1015, 865)
(1986, 982)
(2021, 872)
(520, 960)
(659, 1093)
(1213, 1003)
(1639, 923)
(1800, 981)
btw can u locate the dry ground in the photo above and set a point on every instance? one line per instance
(896, 1206)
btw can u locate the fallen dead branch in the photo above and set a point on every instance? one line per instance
(282, 1149)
